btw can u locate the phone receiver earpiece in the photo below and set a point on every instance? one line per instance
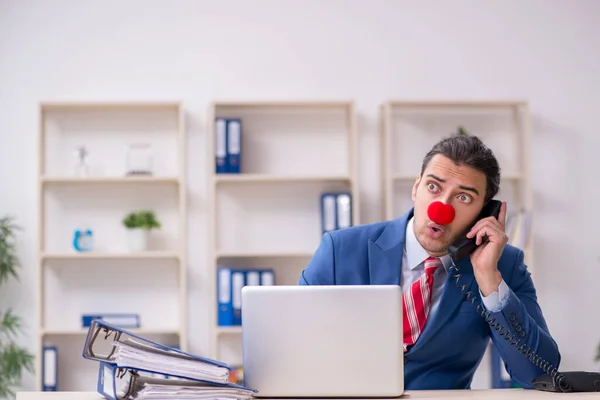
(464, 246)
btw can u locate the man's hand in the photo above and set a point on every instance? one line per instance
(485, 257)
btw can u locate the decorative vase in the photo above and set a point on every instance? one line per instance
(139, 159)
(138, 239)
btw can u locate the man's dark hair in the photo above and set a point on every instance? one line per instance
(470, 151)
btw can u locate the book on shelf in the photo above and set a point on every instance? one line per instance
(230, 282)
(123, 320)
(49, 368)
(500, 378)
(129, 365)
(228, 145)
(336, 211)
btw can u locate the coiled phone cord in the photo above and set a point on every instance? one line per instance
(558, 379)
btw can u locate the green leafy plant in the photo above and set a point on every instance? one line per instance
(13, 359)
(144, 219)
(462, 131)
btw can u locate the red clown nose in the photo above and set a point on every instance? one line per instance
(440, 213)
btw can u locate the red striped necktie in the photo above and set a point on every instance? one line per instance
(417, 301)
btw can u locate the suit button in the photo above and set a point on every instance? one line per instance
(522, 333)
(512, 317)
(519, 328)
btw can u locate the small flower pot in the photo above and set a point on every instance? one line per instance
(138, 239)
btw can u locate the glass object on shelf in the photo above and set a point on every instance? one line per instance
(82, 167)
(139, 159)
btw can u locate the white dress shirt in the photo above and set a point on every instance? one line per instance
(413, 266)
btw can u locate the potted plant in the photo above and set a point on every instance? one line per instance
(139, 224)
(13, 359)
(462, 131)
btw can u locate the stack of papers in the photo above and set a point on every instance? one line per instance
(129, 365)
(152, 388)
(134, 354)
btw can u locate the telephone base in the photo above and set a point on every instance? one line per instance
(578, 381)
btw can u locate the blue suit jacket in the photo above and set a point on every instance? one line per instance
(454, 340)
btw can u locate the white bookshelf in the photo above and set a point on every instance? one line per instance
(411, 128)
(111, 278)
(48, 181)
(268, 215)
(112, 256)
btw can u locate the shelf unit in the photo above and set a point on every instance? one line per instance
(108, 180)
(411, 128)
(268, 215)
(110, 278)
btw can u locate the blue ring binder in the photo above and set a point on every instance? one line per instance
(122, 357)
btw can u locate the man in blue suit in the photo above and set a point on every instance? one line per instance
(461, 172)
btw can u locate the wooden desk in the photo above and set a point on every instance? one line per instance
(494, 394)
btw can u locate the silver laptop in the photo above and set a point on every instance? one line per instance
(323, 341)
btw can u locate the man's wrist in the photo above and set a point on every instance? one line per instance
(496, 301)
(489, 283)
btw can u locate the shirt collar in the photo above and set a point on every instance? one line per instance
(415, 253)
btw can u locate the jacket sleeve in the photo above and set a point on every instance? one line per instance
(321, 268)
(521, 319)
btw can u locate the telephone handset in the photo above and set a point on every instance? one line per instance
(464, 246)
(553, 380)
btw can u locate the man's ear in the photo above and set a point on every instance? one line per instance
(415, 186)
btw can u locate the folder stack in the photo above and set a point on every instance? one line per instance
(230, 282)
(336, 211)
(228, 145)
(129, 364)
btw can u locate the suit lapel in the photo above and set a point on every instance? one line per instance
(451, 299)
(385, 253)
(385, 267)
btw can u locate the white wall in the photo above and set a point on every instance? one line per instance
(544, 51)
